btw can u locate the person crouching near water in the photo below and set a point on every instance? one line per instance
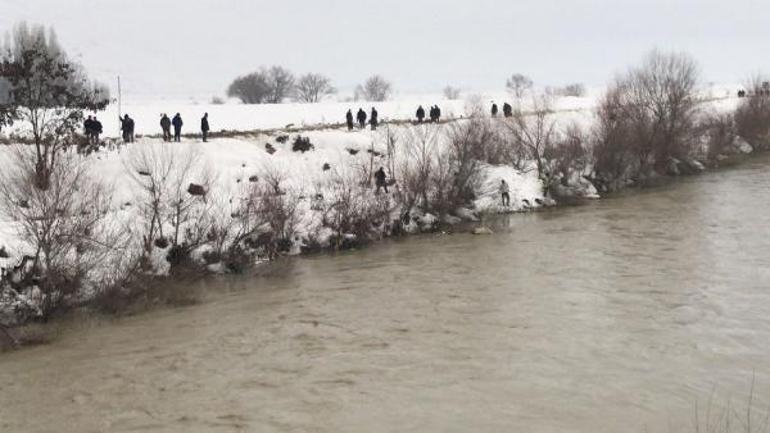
(505, 193)
(380, 179)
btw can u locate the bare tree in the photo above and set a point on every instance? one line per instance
(752, 117)
(518, 85)
(62, 226)
(376, 89)
(451, 93)
(312, 87)
(532, 137)
(252, 88)
(46, 91)
(280, 84)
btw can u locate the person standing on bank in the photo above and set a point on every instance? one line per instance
(505, 193)
(380, 179)
(205, 126)
(349, 120)
(420, 114)
(494, 110)
(177, 122)
(165, 125)
(373, 120)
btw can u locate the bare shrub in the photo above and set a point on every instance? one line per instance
(518, 85)
(569, 156)
(651, 113)
(169, 209)
(451, 93)
(415, 167)
(376, 89)
(718, 132)
(611, 151)
(312, 87)
(272, 212)
(63, 227)
(752, 117)
(532, 137)
(216, 100)
(351, 209)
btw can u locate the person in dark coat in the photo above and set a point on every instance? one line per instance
(349, 120)
(507, 110)
(88, 128)
(127, 127)
(205, 126)
(96, 130)
(177, 122)
(438, 114)
(494, 110)
(373, 119)
(420, 114)
(380, 179)
(361, 116)
(165, 125)
(131, 126)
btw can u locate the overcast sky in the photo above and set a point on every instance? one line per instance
(181, 48)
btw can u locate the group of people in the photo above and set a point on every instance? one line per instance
(93, 128)
(176, 122)
(507, 110)
(435, 114)
(361, 119)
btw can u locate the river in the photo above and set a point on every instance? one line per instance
(615, 316)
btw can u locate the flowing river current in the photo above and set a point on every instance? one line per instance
(615, 316)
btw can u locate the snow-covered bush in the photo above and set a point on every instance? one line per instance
(67, 243)
(171, 203)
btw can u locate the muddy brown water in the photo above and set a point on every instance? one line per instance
(615, 316)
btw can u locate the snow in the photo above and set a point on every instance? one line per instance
(233, 161)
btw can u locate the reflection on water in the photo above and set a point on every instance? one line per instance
(610, 317)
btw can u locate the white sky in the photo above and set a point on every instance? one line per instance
(181, 48)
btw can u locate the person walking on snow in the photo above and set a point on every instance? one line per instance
(205, 126)
(165, 125)
(349, 120)
(96, 130)
(361, 118)
(88, 127)
(505, 193)
(177, 122)
(374, 121)
(380, 180)
(494, 110)
(420, 114)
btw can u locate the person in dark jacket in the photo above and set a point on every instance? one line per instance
(380, 179)
(494, 110)
(349, 119)
(361, 116)
(438, 114)
(131, 126)
(88, 128)
(127, 126)
(205, 126)
(177, 122)
(96, 130)
(420, 114)
(373, 119)
(507, 110)
(165, 125)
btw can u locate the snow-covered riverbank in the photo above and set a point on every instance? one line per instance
(326, 195)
